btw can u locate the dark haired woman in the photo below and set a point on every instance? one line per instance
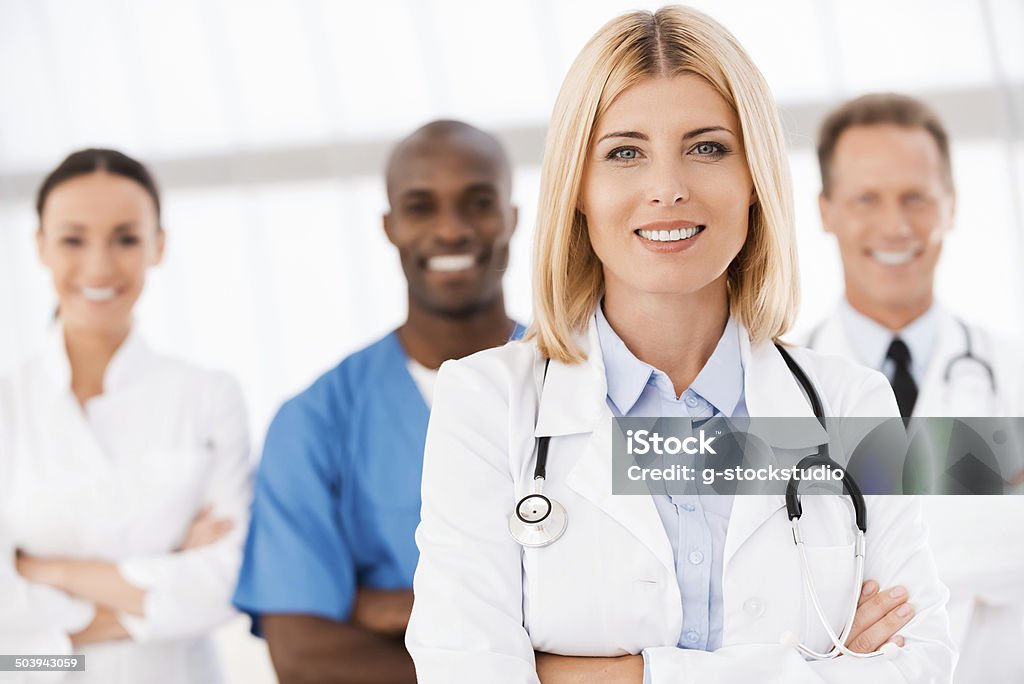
(124, 474)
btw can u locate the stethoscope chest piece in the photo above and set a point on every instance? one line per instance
(538, 521)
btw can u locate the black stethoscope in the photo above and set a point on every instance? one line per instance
(539, 521)
(967, 355)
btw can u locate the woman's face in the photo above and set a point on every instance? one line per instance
(666, 189)
(98, 235)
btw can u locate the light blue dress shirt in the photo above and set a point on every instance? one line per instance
(871, 340)
(695, 523)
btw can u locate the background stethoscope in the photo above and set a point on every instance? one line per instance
(539, 521)
(967, 355)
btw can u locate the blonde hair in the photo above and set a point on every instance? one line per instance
(568, 280)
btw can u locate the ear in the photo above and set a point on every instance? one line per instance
(388, 227)
(40, 245)
(161, 240)
(823, 206)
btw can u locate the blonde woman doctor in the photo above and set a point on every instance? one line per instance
(664, 269)
(124, 473)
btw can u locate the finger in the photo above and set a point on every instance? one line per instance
(203, 513)
(869, 589)
(882, 631)
(875, 608)
(898, 640)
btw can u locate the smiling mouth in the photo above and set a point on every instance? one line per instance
(674, 235)
(893, 258)
(451, 263)
(98, 294)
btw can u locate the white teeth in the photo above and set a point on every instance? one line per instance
(451, 262)
(98, 294)
(673, 235)
(893, 258)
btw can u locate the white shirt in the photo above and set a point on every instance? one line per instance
(424, 378)
(121, 480)
(873, 340)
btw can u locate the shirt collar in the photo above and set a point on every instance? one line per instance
(124, 366)
(720, 382)
(872, 339)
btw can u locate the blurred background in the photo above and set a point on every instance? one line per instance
(267, 123)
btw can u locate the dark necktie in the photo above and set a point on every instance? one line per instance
(903, 384)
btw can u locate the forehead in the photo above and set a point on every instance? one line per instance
(668, 103)
(445, 166)
(886, 154)
(99, 197)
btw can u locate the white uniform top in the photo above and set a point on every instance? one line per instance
(977, 541)
(121, 481)
(608, 586)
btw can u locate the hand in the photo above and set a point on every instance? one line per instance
(104, 627)
(556, 669)
(206, 529)
(879, 616)
(49, 571)
(383, 611)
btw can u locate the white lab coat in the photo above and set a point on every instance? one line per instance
(977, 542)
(121, 481)
(608, 586)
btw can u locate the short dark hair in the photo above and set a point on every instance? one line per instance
(84, 162)
(875, 109)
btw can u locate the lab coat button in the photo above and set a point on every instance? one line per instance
(691, 400)
(696, 557)
(754, 607)
(689, 507)
(692, 636)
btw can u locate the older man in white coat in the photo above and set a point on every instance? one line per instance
(888, 197)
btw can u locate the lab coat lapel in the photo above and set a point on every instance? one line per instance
(573, 402)
(932, 398)
(831, 338)
(771, 391)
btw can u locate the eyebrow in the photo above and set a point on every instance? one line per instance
(424, 193)
(72, 226)
(637, 135)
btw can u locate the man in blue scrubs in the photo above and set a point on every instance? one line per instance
(329, 561)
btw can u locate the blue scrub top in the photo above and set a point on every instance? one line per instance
(337, 495)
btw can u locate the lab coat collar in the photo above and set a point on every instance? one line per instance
(572, 398)
(573, 402)
(123, 369)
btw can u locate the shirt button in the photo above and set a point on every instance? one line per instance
(696, 557)
(689, 507)
(754, 607)
(691, 400)
(692, 636)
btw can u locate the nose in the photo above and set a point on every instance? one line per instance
(452, 229)
(894, 224)
(668, 186)
(98, 266)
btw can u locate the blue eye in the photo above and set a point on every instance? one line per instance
(710, 149)
(624, 154)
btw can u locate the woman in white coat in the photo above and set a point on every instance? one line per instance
(664, 268)
(124, 473)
